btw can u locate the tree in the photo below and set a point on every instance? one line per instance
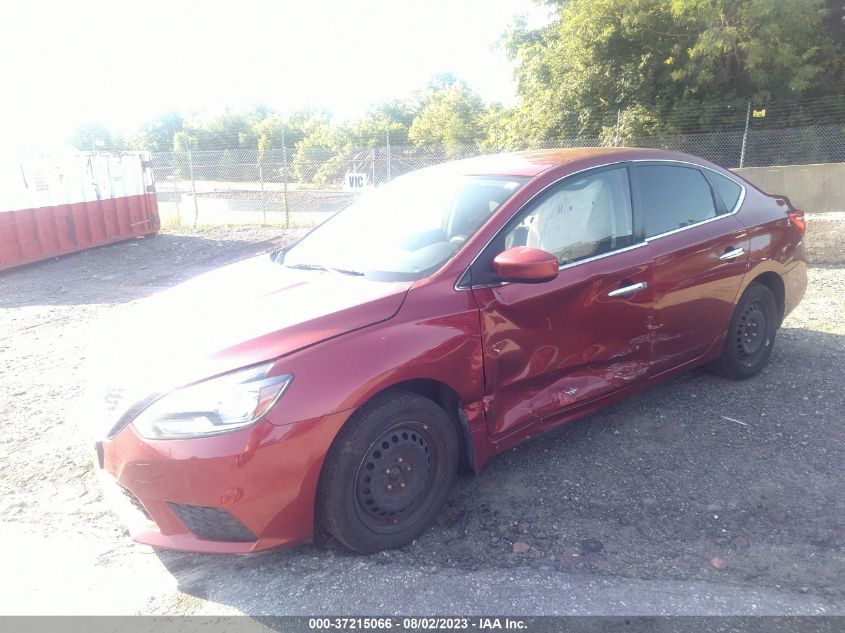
(158, 135)
(95, 137)
(271, 130)
(184, 141)
(319, 155)
(227, 130)
(676, 65)
(392, 117)
(450, 115)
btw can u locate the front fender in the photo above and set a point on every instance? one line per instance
(435, 336)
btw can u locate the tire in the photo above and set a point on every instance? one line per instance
(750, 336)
(388, 472)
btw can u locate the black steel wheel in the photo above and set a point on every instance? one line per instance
(394, 476)
(388, 472)
(750, 336)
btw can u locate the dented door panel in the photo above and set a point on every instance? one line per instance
(553, 346)
(694, 289)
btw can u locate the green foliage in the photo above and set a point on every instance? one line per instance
(96, 137)
(319, 153)
(393, 118)
(183, 141)
(506, 129)
(666, 59)
(158, 135)
(450, 115)
(276, 130)
(611, 71)
(631, 124)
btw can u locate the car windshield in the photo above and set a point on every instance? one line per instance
(405, 229)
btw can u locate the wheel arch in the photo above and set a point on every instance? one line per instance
(438, 392)
(774, 282)
(447, 399)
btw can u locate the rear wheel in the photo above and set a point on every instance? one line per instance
(388, 472)
(750, 336)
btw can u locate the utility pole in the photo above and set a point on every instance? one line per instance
(261, 180)
(387, 140)
(285, 178)
(745, 135)
(618, 124)
(193, 187)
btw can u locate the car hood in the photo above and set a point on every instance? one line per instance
(236, 316)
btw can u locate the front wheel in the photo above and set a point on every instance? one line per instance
(388, 473)
(750, 336)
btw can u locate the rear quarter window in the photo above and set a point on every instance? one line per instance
(727, 189)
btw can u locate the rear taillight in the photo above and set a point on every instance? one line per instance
(798, 221)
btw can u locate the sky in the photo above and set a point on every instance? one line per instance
(121, 63)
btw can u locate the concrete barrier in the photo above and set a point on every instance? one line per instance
(811, 188)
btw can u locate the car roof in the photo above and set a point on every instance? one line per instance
(535, 162)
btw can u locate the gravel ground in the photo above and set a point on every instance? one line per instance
(826, 238)
(620, 513)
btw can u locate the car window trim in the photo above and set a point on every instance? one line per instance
(611, 165)
(586, 260)
(601, 255)
(631, 163)
(718, 207)
(635, 235)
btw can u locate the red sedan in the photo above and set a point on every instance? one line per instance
(439, 320)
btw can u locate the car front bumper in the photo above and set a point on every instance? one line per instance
(234, 493)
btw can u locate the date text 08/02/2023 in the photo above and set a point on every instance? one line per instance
(416, 623)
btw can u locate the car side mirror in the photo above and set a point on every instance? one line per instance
(522, 264)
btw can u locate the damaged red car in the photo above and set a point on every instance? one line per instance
(343, 382)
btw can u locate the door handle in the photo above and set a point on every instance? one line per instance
(732, 254)
(628, 290)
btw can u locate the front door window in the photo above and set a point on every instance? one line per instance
(581, 218)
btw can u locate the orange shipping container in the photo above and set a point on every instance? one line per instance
(61, 203)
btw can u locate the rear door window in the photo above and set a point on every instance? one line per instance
(673, 197)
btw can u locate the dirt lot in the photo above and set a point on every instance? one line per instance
(623, 511)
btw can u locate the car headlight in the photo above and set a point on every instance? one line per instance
(214, 406)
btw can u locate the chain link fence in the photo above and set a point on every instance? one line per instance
(299, 186)
(249, 187)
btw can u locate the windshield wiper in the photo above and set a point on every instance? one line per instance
(346, 271)
(307, 267)
(328, 269)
